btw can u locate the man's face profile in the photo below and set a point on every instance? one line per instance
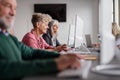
(7, 12)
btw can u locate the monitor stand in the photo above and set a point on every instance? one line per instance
(109, 69)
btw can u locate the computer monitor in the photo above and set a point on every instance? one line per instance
(105, 29)
(79, 29)
(107, 48)
(75, 35)
(71, 33)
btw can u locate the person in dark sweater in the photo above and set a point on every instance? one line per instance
(51, 36)
(18, 60)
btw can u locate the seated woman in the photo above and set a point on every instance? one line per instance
(116, 33)
(51, 36)
(34, 38)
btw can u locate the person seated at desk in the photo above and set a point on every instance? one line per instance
(34, 38)
(116, 33)
(18, 60)
(51, 36)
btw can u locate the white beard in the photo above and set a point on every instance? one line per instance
(5, 25)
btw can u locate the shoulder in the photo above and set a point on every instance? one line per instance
(29, 35)
(13, 37)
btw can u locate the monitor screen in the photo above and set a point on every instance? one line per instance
(79, 29)
(75, 35)
(71, 33)
(56, 11)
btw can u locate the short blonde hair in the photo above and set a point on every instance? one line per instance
(115, 29)
(39, 17)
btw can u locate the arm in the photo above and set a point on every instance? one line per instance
(16, 69)
(30, 53)
(13, 67)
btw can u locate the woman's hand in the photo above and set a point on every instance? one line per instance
(62, 47)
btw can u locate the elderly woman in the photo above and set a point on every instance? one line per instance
(51, 36)
(34, 38)
(116, 33)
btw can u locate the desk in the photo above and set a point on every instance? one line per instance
(91, 75)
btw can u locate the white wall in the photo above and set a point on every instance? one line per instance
(86, 9)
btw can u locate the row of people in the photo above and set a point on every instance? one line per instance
(18, 60)
(35, 39)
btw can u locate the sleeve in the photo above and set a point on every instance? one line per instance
(30, 53)
(47, 46)
(10, 69)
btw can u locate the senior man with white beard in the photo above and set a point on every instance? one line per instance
(18, 60)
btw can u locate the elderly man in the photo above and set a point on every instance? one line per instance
(18, 60)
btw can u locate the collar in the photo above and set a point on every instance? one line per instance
(5, 33)
(35, 34)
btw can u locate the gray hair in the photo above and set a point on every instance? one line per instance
(3, 24)
(53, 22)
